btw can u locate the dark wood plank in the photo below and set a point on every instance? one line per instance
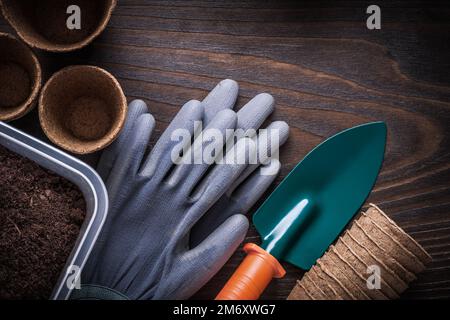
(327, 73)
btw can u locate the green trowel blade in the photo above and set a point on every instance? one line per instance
(313, 204)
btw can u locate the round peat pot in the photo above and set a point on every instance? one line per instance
(57, 25)
(20, 78)
(82, 109)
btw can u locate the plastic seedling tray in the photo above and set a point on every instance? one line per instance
(85, 178)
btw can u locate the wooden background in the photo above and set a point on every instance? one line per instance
(327, 72)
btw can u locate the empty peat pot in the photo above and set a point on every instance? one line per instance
(44, 24)
(82, 109)
(20, 78)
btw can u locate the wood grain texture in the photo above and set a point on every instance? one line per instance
(326, 71)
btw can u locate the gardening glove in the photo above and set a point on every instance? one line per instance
(144, 249)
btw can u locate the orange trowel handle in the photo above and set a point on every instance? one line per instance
(252, 276)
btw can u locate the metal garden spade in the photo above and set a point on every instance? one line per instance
(310, 208)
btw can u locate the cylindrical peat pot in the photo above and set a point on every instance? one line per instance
(47, 24)
(20, 78)
(82, 109)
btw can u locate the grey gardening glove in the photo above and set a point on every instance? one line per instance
(145, 250)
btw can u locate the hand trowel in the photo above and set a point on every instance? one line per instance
(310, 208)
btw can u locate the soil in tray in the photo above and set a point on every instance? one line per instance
(40, 218)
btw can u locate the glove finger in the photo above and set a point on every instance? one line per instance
(249, 191)
(245, 190)
(205, 149)
(255, 112)
(222, 176)
(223, 96)
(131, 155)
(239, 158)
(268, 147)
(243, 198)
(159, 161)
(251, 116)
(109, 156)
(198, 265)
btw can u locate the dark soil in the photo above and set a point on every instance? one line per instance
(40, 218)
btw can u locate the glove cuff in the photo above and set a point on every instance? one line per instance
(95, 292)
